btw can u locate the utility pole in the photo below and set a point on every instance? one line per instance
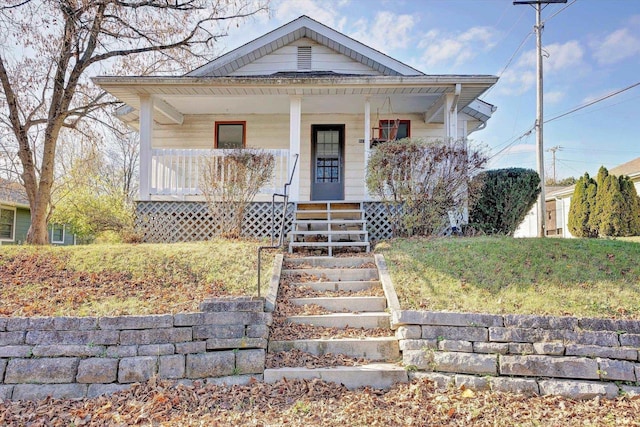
(542, 211)
(553, 153)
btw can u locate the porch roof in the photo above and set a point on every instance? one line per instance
(178, 96)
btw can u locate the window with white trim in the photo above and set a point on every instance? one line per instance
(57, 233)
(7, 224)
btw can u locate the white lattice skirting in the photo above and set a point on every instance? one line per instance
(168, 222)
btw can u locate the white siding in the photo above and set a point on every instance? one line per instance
(286, 59)
(272, 131)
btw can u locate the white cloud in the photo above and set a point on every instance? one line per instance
(559, 58)
(554, 97)
(286, 11)
(387, 32)
(456, 49)
(519, 149)
(617, 46)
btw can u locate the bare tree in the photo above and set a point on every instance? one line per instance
(50, 48)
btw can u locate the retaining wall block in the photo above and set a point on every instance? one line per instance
(17, 324)
(215, 364)
(472, 382)
(188, 319)
(515, 385)
(233, 343)
(235, 304)
(171, 366)
(3, 324)
(155, 336)
(422, 359)
(638, 372)
(409, 332)
(56, 391)
(96, 390)
(71, 350)
(465, 363)
(95, 337)
(136, 322)
(3, 365)
(12, 338)
(437, 318)
(257, 331)
(598, 351)
(75, 323)
(97, 370)
(550, 348)
(30, 324)
(120, 351)
(616, 370)
(191, 347)
(5, 392)
(626, 389)
(578, 389)
(520, 348)
(460, 333)
(237, 318)
(15, 351)
(490, 347)
(630, 340)
(549, 366)
(250, 361)
(540, 322)
(418, 344)
(136, 369)
(454, 345)
(46, 370)
(441, 381)
(218, 331)
(614, 325)
(600, 338)
(516, 335)
(156, 349)
(234, 380)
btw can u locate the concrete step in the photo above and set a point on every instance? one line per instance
(343, 320)
(328, 221)
(330, 262)
(327, 204)
(337, 304)
(376, 375)
(338, 275)
(375, 349)
(326, 233)
(332, 214)
(349, 286)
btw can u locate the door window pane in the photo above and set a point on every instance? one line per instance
(328, 156)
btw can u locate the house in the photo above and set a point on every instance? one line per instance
(15, 218)
(558, 202)
(303, 91)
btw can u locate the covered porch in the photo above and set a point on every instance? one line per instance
(329, 121)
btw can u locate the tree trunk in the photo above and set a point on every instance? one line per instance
(38, 233)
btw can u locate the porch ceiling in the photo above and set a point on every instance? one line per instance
(414, 94)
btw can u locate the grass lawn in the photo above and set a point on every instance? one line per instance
(580, 277)
(98, 280)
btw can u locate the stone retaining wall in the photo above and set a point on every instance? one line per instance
(74, 357)
(574, 357)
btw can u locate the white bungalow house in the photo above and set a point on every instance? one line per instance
(302, 91)
(559, 202)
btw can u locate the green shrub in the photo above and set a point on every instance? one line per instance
(502, 198)
(582, 202)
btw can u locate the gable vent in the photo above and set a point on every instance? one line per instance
(304, 57)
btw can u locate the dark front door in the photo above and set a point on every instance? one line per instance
(327, 169)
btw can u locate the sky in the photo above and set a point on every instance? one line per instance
(591, 48)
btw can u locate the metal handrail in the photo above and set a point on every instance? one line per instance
(285, 204)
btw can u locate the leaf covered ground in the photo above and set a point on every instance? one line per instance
(316, 403)
(99, 280)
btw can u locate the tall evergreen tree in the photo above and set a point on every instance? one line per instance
(632, 205)
(598, 206)
(580, 208)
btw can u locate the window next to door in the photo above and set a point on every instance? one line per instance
(404, 129)
(230, 135)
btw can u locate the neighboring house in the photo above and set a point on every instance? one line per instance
(15, 218)
(303, 89)
(559, 202)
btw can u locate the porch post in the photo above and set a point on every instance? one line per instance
(146, 135)
(295, 114)
(367, 142)
(451, 114)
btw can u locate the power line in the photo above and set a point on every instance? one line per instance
(588, 104)
(561, 10)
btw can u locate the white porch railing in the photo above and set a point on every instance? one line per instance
(176, 172)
